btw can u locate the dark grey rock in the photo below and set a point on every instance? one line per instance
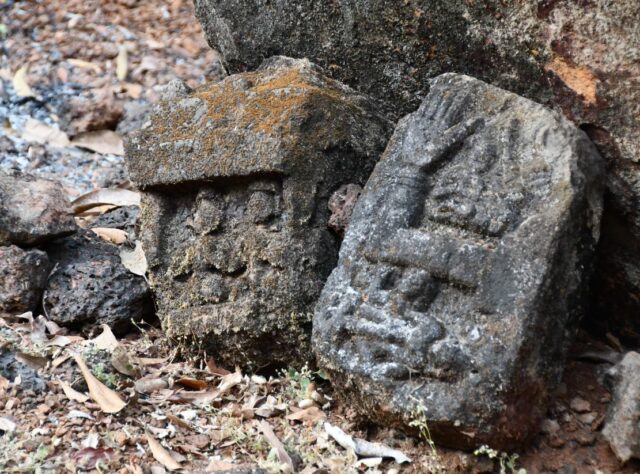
(23, 276)
(11, 368)
(237, 177)
(622, 426)
(124, 218)
(90, 285)
(32, 211)
(464, 266)
(580, 58)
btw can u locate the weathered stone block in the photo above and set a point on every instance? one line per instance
(237, 176)
(32, 211)
(578, 57)
(463, 266)
(23, 275)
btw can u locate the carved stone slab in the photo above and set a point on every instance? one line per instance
(463, 265)
(237, 176)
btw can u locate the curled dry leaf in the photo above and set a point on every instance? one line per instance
(161, 454)
(193, 384)
(106, 340)
(100, 141)
(105, 196)
(214, 369)
(71, 393)
(135, 261)
(229, 381)
(276, 444)
(362, 447)
(108, 400)
(308, 415)
(20, 84)
(115, 236)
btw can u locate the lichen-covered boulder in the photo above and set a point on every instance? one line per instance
(463, 267)
(578, 57)
(23, 275)
(237, 177)
(32, 210)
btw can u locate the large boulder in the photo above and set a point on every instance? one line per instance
(23, 276)
(32, 210)
(463, 267)
(579, 57)
(237, 177)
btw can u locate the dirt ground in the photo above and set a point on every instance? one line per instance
(147, 404)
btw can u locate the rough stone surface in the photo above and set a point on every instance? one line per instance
(578, 56)
(23, 275)
(11, 368)
(32, 211)
(463, 267)
(90, 285)
(237, 177)
(341, 205)
(622, 427)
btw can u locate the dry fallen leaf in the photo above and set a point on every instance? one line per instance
(115, 236)
(214, 369)
(276, 444)
(85, 65)
(135, 261)
(106, 340)
(150, 385)
(308, 415)
(100, 141)
(122, 362)
(35, 362)
(20, 84)
(229, 381)
(193, 384)
(161, 454)
(104, 196)
(71, 393)
(121, 63)
(108, 400)
(36, 131)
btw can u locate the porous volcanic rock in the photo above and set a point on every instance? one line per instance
(622, 428)
(578, 57)
(236, 177)
(32, 210)
(23, 275)
(464, 267)
(90, 285)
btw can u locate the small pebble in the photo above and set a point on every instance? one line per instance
(580, 405)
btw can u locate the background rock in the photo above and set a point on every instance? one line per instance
(622, 428)
(237, 177)
(10, 368)
(579, 57)
(90, 285)
(32, 211)
(464, 267)
(23, 276)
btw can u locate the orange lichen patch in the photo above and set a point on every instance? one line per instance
(579, 79)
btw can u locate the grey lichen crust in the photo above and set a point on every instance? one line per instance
(463, 266)
(237, 176)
